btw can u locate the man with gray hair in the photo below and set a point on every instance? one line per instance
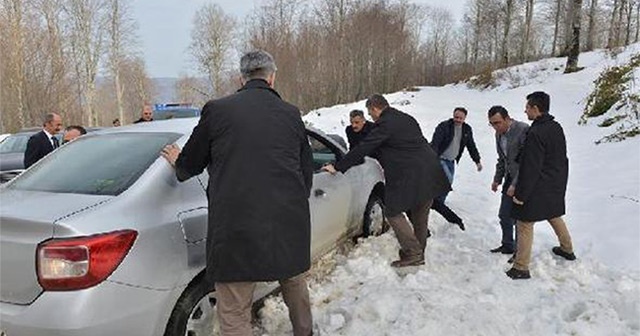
(255, 148)
(43, 142)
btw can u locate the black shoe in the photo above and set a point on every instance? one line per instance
(559, 251)
(502, 249)
(416, 260)
(517, 274)
(512, 259)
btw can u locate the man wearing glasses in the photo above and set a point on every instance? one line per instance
(510, 135)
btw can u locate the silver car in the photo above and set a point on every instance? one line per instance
(99, 238)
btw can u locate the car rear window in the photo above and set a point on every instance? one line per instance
(106, 164)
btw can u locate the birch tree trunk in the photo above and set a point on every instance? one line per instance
(505, 35)
(592, 25)
(574, 51)
(527, 31)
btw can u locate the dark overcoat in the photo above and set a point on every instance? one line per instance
(38, 147)
(544, 170)
(255, 148)
(412, 171)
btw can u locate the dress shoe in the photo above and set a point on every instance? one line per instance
(517, 274)
(502, 249)
(559, 251)
(415, 260)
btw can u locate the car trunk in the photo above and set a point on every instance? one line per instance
(26, 219)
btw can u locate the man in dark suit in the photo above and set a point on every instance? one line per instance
(542, 184)
(358, 129)
(412, 173)
(43, 142)
(255, 148)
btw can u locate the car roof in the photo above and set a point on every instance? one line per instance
(182, 126)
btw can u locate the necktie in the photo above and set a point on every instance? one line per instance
(56, 144)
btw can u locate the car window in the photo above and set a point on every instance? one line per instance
(323, 151)
(107, 164)
(16, 143)
(175, 113)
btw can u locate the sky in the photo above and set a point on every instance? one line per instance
(462, 288)
(165, 29)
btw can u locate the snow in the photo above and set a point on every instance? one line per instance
(462, 289)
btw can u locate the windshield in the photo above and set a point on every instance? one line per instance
(107, 164)
(15, 143)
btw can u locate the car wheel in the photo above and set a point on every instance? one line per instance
(195, 312)
(374, 223)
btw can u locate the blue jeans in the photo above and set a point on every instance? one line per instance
(449, 168)
(506, 222)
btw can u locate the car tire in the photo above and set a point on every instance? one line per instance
(374, 223)
(195, 312)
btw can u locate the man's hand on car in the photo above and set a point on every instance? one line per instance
(330, 168)
(171, 152)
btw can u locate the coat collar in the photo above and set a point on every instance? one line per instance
(543, 119)
(259, 84)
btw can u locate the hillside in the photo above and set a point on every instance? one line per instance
(462, 289)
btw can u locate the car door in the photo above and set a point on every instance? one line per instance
(330, 198)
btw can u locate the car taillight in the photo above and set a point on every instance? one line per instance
(81, 262)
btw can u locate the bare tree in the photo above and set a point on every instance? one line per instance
(121, 39)
(637, 21)
(556, 30)
(527, 30)
(629, 20)
(212, 40)
(13, 50)
(614, 27)
(140, 89)
(508, 13)
(87, 23)
(574, 51)
(593, 7)
(192, 89)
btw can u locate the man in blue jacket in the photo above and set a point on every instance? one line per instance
(450, 139)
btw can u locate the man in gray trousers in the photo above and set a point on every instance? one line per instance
(510, 135)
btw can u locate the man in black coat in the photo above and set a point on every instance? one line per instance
(450, 139)
(542, 183)
(358, 129)
(43, 142)
(255, 148)
(413, 176)
(145, 116)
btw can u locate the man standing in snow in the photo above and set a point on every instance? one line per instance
(259, 222)
(510, 135)
(412, 173)
(449, 141)
(542, 183)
